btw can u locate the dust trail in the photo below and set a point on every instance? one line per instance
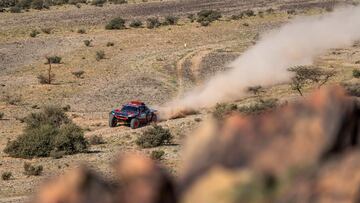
(266, 63)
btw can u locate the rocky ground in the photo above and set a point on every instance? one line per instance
(152, 65)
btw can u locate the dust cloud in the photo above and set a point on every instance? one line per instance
(266, 63)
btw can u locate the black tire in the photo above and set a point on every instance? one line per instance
(154, 118)
(112, 121)
(135, 123)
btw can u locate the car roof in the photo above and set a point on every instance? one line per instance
(135, 103)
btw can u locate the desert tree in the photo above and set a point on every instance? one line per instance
(305, 75)
(47, 79)
(256, 90)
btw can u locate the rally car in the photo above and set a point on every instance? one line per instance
(134, 113)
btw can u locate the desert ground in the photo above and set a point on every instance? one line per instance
(151, 65)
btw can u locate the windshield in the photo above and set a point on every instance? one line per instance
(129, 109)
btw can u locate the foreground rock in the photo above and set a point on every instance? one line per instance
(304, 152)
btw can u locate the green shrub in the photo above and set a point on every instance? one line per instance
(81, 31)
(222, 110)
(31, 170)
(98, 2)
(34, 33)
(171, 20)
(118, 1)
(100, 55)
(205, 17)
(87, 42)
(6, 175)
(157, 155)
(152, 22)
(116, 24)
(136, 23)
(46, 131)
(53, 59)
(15, 9)
(78, 74)
(259, 107)
(154, 136)
(1, 115)
(96, 140)
(356, 73)
(110, 44)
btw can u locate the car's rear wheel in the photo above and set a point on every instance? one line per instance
(135, 123)
(112, 121)
(154, 118)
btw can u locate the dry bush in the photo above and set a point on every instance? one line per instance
(96, 140)
(78, 74)
(81, 31)
(12, 99)
(87, 42)
(154, 136)
(6, 175)
(110, 44)
(259, 107)
(46, 131)
(1, 115)
(34, 33)
(45, 79)
(136, 23)
(53, 59)
(222, 110)
(32, 170)
(100, 55)
(47, 30)
(116, 24)
(152, 22)
(205, 17)
(356, 73)
(157, 155)
(170, 20)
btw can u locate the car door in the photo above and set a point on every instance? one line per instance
(143, 115)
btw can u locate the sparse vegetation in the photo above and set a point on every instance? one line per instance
(12, 99)
(205, 17)
(46, 30)
(116, 24)
(32, 170)
(171, 20)
(81, 31)
(100, 55)
(352, 89)
(6, 175)
(305, 75)
(249, 13)
(96, 140)
(79, 73)
(152, 22)
(53, 60)
(110, 44)
(1, 115)
(157, 155)
(256, 90)
(222, 110)
(136, 23)
(34, 33)
(99, 3)
(118, 1)
(46, 131)
(260, 106)
(356, 73)
(154, 136)
(191, 17)
(87, 42)
(15, 9)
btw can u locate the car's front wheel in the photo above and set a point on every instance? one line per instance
(135, 123)
(112, 121)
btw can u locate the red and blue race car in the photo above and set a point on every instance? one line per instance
(134, 113)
